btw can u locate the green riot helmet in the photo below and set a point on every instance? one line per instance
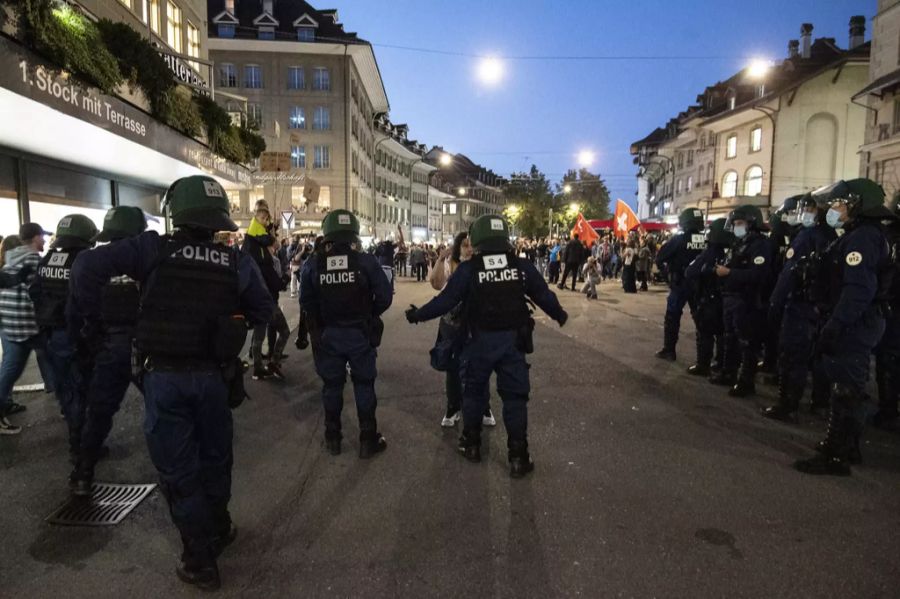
(75, 230)
(199, 201)
(122, 222)
(747, 213)
(691, 220)
(490, 233)
(717, 234)
(340, 226)
(863, 197)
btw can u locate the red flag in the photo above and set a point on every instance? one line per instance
(586, 233)
(625, 219)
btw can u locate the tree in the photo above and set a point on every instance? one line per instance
(529, 200)
(588, 191)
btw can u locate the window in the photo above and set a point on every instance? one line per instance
(700, 171)
(678, 187)
(253, 76)
(173, 28)
(322, 158)
(154, 16)
(297, 119)
(453, 208)
(731, 102)
(193, 48)
(709, 172)
(729, 184)
(731, 146)
(756, 139)
(306, 34)
(295, 78)
(322, 118)
(753, 181)
(266, 33)
(690, 183)
(298, 156)
(680, 160)
(226, 30)
(896, 116)
(321, 79)
(254, 115)
(690, 158)
(227, 75)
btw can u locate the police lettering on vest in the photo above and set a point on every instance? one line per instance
(497, 301)
(194, 286)
(345, 295)
(696, 241)
(54, 270)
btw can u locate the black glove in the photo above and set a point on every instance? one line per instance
(412, 314)
(562, 320)
(829, 337)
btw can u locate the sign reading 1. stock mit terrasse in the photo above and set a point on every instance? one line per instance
(23, 73)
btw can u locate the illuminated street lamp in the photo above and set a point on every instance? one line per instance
(490, 70)
(567, 188)
(461, 191)
(758, 68)
(573, 207)
(585, 158)
(445, 159)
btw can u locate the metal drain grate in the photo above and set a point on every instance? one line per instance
(108, 505)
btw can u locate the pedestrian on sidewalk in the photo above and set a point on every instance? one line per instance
(553, 263)
(628, 268)
(642, 265)
(19, 331)
(493, 287)
(574, 252)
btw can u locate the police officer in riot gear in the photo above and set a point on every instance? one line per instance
(706, 304)
(743, 282)
(856, 276)
(793, 308)
(49, 291)
(678, 253)
(197, 300)
(494, 287)
(343, 293)
(784, 224)
(887, 355)
(111, 345)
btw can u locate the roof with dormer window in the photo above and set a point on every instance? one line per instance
(285, 17)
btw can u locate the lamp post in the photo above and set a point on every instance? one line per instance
(671, 163)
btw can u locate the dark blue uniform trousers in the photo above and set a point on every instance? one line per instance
(796, 342)
(108, 384)
(488, 352)
(744, 331)
(340, 346)
(679, 295)
(189, 433)
(70, 380)
(848, 362)
(887, 365)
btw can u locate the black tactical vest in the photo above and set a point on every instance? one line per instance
(497, 298)
(120, 302)
(192, 289)
(345, 295)
(53, 273)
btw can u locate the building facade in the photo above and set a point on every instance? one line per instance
(880, 152)
(314, 92)
(764, 134)
(67, 147)
(469, 190)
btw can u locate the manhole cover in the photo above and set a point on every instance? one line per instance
(108, 505)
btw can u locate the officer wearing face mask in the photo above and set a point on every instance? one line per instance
(887, 355)
(857, 278)
(678, 253)
(784, 224)
(744, 281)
(792, 307)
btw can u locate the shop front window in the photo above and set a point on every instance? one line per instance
(55, 192)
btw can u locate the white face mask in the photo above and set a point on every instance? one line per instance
(740, 231)
(808, 219)
(791, 219)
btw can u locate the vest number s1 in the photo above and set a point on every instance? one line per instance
(495, 262)
(336, 263)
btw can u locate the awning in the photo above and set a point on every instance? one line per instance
(878, 86)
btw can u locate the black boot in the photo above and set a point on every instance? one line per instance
(470, 445)
(666, 354)
(746, 383)
(833, 453)
(370, 440)
(723, 378)
(704, 356)
(205, 578)
(887, 373)
(788, 402)
(333, 434)
(81, 481)
(520, 462)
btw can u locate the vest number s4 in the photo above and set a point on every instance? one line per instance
(495, 262)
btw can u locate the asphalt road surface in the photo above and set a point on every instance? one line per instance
(648, 483)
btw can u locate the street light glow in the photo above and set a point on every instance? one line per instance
(445, 159)
(490, 70)
(462, 191)
(585, 158)
(758, 68)
(567, 188)
(573, 207)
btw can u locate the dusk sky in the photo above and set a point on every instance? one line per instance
(545, 110)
